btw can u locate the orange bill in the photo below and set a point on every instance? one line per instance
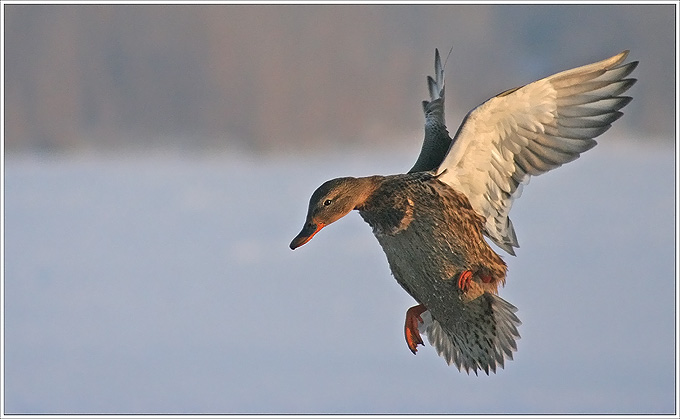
(308, 231)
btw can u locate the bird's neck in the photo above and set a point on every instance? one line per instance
(365, 187)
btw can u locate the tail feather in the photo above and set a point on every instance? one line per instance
(482, 338)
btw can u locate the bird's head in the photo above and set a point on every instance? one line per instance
(330, 202)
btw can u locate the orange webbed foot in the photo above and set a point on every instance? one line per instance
(413, 338)
(464, 280)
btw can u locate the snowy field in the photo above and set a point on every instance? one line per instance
(164, 284)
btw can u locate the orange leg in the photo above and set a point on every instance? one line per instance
(464, 280)
(413, 338)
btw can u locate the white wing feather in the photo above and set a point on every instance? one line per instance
(528, 131)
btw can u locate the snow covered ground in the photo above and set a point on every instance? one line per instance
(164, 284)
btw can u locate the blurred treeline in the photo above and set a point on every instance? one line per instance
(292, 77)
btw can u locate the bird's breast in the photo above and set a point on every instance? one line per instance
(422, 235)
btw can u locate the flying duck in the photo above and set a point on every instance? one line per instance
(432, 221)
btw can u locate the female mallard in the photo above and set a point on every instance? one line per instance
(430, 221)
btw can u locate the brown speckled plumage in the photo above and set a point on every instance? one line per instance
(438, 237)
(416, 208)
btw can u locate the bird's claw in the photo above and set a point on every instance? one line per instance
(411, 331)
(464, 280)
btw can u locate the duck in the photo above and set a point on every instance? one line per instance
(433, 221)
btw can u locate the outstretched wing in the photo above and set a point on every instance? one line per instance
(528, 131)
(437, 140)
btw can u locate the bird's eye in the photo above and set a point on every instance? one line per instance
(327, 202)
